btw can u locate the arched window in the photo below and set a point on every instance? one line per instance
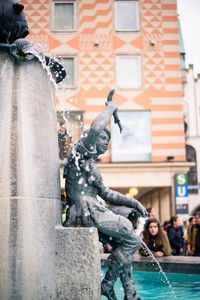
(195, 210)
(192, 174)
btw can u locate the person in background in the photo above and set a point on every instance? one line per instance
(101, 248)
(64, 207)
(140, 226)
(142, 221)
(191, 221)
(180, 229)
(65, 141)
(185, 234)
(151, 212)
(107, 248)
(193, 240)
(62, 133)
(196, 217)
(165, 225)
(155, 239)
(174, 235)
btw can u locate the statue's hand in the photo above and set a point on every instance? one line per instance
(140, 208)
(143, 211)
(112, 105)
(21, 50)
(115, 114)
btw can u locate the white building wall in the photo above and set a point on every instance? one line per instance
(197, 89)
(191, 87)
(190, 98)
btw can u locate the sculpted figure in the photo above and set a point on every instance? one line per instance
(13, 24)
(13, 30)
(83, 184)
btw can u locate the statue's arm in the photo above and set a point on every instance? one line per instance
(4, 46)
(117, 198)
(98, 125)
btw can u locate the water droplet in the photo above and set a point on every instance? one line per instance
(80, 180)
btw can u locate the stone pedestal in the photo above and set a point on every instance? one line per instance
(78, 264)
(39, 259)
(29, 182)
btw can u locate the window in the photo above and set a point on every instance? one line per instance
(134, 143)
(128, 70)
(192, 174)
(70, 127)
(69, 64)
(126, 15)
(63, 15)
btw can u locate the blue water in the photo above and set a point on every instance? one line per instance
(151, 285)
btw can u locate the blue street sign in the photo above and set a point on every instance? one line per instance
(194, 187)
(182, 209)
(181, 193)
(181, 190)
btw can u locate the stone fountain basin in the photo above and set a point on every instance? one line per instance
(169, 264)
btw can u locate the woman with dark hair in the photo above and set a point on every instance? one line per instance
(165, 225)
(156, 239)
(174, 235)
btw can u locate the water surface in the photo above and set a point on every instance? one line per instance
(151, 285)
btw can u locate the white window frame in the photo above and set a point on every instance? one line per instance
(136, 135)
(139, 86)
(53, 15)
(137, 12)
(75, 71)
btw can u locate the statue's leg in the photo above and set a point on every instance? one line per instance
(127, 282)
(107, 285)
(121, 230)
(120, 265)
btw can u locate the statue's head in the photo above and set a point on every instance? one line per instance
(13, 24)
(103, 141)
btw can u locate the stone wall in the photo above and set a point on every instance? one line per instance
(78, 266)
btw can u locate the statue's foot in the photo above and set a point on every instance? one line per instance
(107, 289)
(132, 296)
(128, 285)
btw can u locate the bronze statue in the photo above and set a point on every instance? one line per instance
(83, 184)
(13, 30)
(13, 24)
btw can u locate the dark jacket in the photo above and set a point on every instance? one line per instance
(191, 240)
(174, 239)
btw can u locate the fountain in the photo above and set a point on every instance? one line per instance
(40, 259)
(35, 249)
(115, 222)
(154, 260)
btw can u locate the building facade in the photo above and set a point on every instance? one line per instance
(191, 93)
(134, 47)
